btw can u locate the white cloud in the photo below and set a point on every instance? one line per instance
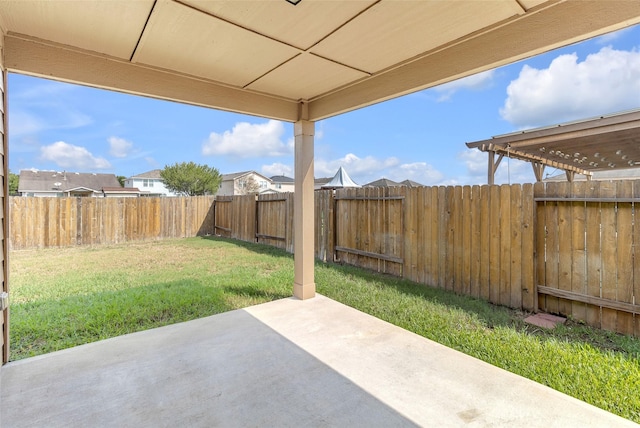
(364, 170)
(474, 82)
(119, 147)
(248, 140)
(69, 156)
(277, 169)
(354, 165)
(509, 170)
(605, 82)
(610, 37)
(421, 172)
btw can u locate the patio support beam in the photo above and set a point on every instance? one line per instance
(493, 166)
(304, 286)
(538, 170)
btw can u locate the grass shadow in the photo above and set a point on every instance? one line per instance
(251, 246)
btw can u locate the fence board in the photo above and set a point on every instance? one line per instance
(564, 246)
(609, 253)
(624, 262)
(434, 237)
(485, 247)
(551, 248)
(457, 214)
(466, 218)
(527, 268)
(578, 250)
(514, 287)
(494, 244)
(476, 244)
(504, 229)
(594, 259)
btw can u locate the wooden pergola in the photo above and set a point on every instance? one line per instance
(601, 144)
(269, 58)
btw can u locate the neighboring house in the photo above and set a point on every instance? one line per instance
(120, 192)
(150, 184)
(282, 183)
(319, 182)
(383, 182)
(61, 184)
(246, 182)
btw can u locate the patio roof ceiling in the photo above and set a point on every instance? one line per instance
(599, 144)
(265, 57)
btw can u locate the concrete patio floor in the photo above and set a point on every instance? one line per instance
(284, 363)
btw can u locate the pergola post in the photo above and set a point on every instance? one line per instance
(538, 170)
(492, 167)
(304, 286)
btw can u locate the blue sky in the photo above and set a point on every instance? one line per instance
(58, 126)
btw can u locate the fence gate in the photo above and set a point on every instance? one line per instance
(587, 238)
(369, 228)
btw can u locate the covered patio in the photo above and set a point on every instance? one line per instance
(285, 363)
(296, 361)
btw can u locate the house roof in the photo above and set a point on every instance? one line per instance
(411, 183)
(149, 174)
(340, 180)
(269, 56)
(282, 179)
(53, 181)
(236, 175)
(383, 182)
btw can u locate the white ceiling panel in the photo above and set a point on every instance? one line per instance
(91, 25)
(302, 25)
(189, 41)
(393, 31)
(305, 77)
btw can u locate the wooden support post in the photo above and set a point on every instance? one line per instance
(570, 175)
(493, 166)
(538, 170)
(304, 286)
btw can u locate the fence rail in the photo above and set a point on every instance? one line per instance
(567, 248)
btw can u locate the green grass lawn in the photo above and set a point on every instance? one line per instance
(66, 297)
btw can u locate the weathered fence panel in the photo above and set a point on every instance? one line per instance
(63, 222)
(587, 252)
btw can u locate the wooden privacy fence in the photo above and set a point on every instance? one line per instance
(61, 222)
(566, 248)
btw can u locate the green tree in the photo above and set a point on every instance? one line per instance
(121, 179)
(14, 180)
(191, 179)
